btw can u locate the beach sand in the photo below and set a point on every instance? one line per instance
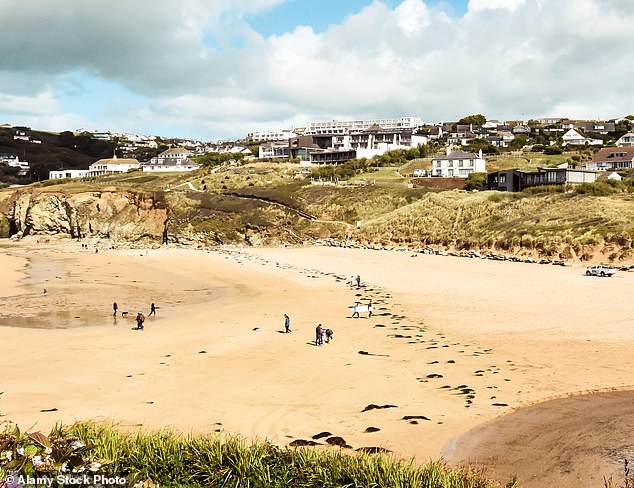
(454, 345)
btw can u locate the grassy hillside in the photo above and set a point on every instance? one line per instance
(271, 204)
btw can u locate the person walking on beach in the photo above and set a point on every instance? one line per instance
(358, 282)
(287, 324)
(115, 307)
(152, 310)
(319, 335)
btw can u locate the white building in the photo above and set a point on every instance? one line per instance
(458, 164)
(573, 137)
(112, 166)
(348, 126)
(174, 159)
(271, 150)
(12, 159)
(271, 135)
(67, 173)
(626, 140)
(375, 143)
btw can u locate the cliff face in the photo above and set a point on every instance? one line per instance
(109, 214)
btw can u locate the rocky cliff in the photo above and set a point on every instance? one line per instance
(120, 215)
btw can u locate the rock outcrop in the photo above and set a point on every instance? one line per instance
(119, 215)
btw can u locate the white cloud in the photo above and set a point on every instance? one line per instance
(504, 58)
(39, 104)
(478, 5)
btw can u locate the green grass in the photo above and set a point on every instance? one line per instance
(219, 460)
(382, 176)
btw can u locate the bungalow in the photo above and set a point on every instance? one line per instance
(574, 138)
(174, 159)
(112, 166)
(613, 159)
(458, 164)
(598, 127)
(67, 173)
(517, 180)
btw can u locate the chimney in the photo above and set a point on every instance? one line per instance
(480, 154)
(447, 151)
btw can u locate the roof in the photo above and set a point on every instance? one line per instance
(174, 150)
(171, 162)
(614, 154)
(117, 161)
(458, 154)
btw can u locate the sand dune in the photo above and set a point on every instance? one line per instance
(453, 343)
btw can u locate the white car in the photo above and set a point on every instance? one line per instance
(600, 270)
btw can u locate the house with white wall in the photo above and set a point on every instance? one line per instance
(111, 166)
(574, 138)
(67, 173)
(174, 159)
(626, 140)
(612, 159)
(13, 160)
(458, 164)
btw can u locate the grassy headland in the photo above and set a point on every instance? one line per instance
(263, 203)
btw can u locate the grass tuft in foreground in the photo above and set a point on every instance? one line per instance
(168, 459)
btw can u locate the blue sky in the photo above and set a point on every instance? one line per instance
(320, 14)
(217, 69)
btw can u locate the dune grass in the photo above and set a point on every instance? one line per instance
(218, 460)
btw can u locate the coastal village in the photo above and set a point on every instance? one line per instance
(455, 150)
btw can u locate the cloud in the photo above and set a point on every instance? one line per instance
(479, 5)
(199, 68)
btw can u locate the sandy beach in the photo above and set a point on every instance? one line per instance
(456, 347)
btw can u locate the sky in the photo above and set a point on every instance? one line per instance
(218, 69)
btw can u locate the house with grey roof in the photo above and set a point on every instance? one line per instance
(458, 163)
(170, 160)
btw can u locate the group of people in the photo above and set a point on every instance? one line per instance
(140, 318)
(320, 332)
(355, 281)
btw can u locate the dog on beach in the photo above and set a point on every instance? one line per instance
(123, 314)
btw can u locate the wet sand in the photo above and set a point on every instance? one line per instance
(574, 441)
(454, 343)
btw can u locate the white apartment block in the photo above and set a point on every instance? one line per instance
(374, 143)
(348, 126)
(272, 135)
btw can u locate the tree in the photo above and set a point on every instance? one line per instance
(518, 143)
(476, 144)
(476, 181)
(477, 119)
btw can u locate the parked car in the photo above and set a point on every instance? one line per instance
(600, 270)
